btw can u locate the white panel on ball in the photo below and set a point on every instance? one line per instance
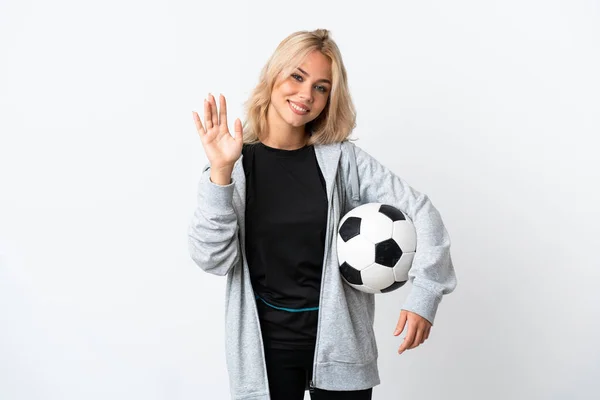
(361, 251)
(377, 276)
(377, 227)
(405, 235)
(403, 266)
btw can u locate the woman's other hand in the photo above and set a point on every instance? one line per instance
(417, 332)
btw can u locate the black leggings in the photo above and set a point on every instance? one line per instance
(289, 372)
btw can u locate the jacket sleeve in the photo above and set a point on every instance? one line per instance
(432, 272)
(213, 232)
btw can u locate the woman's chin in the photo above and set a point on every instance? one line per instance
(296, 123)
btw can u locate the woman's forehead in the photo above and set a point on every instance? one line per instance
(316, 65)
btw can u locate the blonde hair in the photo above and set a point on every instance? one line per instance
(338, 118)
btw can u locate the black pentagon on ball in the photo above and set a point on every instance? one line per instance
(350, 228)
(387, 253)
(351, 274)
(392, 213)
(393, 286)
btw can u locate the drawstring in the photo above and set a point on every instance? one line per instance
(354, 191)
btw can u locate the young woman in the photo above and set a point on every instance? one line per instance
(269, 203)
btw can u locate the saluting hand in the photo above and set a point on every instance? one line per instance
(417, 333)
(222, 149)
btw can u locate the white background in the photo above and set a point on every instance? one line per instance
(489, 107)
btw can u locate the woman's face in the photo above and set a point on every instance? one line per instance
(299, 98)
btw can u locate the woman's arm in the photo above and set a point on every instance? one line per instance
(432, 273)
(213, 232)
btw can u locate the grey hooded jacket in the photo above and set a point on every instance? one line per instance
(346, 351)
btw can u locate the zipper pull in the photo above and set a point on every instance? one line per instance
(311, 387)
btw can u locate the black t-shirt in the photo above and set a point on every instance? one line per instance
(286, 217)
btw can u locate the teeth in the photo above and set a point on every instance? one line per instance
(298, 108)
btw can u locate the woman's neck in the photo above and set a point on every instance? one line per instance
(284, 142)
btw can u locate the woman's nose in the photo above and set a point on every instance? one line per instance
(306, 93)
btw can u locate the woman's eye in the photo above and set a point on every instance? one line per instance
(299, 78)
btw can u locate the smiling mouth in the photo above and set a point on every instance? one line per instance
(297, 109)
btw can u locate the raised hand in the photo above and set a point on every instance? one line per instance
(222, 149)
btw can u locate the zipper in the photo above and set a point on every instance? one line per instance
(311, 387)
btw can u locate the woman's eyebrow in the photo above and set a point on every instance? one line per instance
(306, 73)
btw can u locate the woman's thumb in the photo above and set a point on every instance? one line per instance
(238, 129)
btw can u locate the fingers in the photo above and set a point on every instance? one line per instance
(418, 338)
(198, 123)
(213, 109)
(408, 340)
(214, 117)
(401, 323)
(223, 114)
(417, 331)
(207, 115)
(237, 129)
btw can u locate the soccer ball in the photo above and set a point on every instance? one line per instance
(376, 244)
